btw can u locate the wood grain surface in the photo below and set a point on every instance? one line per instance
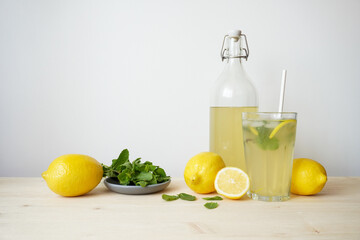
(29, 210)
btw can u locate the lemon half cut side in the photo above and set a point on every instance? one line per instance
(232, 182)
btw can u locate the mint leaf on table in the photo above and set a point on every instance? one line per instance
(187, 197)
(134, 173)
(211, 205)
(216, 198)
(183, 196)
(170, 197)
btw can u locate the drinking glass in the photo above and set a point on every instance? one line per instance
(269, 140)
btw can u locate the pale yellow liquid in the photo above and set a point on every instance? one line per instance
(270, 169)
(226, 137)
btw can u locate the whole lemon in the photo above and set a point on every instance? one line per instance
(200, 172)
(308, 177)
(73, 175)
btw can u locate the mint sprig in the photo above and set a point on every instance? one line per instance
(134, 173)
(264, 141)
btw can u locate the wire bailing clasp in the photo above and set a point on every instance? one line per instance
(225, 51)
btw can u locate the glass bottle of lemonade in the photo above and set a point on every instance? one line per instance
(232, 94)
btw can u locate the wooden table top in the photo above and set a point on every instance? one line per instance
(29, 210)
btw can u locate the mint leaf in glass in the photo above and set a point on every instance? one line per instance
(263, 140)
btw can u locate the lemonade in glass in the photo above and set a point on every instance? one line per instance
(269, 140)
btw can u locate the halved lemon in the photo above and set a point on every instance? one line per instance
(278, 127)
(232, 182)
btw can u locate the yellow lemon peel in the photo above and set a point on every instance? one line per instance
(278, 127)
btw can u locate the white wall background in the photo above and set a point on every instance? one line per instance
(94, 77)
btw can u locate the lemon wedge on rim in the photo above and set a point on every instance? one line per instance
(278, 127)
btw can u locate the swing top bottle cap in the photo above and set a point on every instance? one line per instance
(234, 33)
(233, 36)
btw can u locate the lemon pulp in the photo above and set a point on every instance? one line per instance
(232, 182)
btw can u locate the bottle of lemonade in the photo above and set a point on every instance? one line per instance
(232, 94)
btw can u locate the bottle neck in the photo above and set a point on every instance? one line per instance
(234, 52)
(234, 47)
(234, 61)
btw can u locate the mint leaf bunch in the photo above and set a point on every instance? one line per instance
(134, 173)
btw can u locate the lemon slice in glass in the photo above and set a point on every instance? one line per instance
(254, 131)
(232, 182)
(278, 127)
